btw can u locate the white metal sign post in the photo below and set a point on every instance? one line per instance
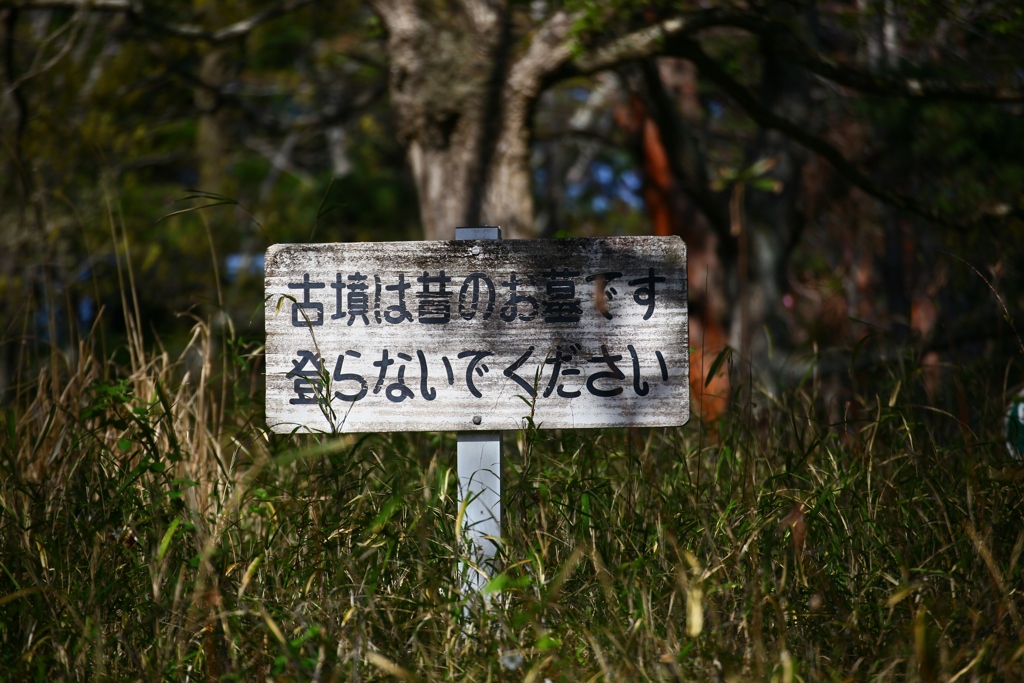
(474, 336)
(479, 469)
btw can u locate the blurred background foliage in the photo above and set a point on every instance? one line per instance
(112, 116)
(119, 128)
(282, 112)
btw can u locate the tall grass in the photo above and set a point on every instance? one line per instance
(151, 529)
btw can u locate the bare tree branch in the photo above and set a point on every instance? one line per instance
(96, 5)
(73, 27)
(793, 48)
(327, 116)
(485, 14)
(636, 45)
(245, 26)
(550, 47)
(646, 42)
(136, 12)
(790, 45)
(400, 16)
(764, 117)
(659, 39)
(910, 88)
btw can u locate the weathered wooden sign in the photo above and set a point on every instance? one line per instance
(477, 335)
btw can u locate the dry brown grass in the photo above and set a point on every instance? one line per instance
(151, 529)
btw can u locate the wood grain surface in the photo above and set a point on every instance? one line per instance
(572, 333)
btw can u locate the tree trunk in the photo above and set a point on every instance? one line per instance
(679, 202)
(508, 194)
(445, 62)
(211, 139)
(773, 221)
(464, 107)
(754, 242)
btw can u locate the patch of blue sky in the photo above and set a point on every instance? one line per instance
(631, 180)
(579, 94)
(86, 309)
(236, 264)
(603, 173)
(630, 197)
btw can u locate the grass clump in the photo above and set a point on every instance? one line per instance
(151, 528)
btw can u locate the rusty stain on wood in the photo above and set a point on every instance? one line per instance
(477, 335)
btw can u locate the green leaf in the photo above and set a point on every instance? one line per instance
(548, 642)
(497, 584)
(766, 185)
(12, 430)
(762, 166)
(504, 582)
(124, 445)
(166, 542)
(722, 356)
(385, 514)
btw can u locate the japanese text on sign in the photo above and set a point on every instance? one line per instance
(524, 301)
(476, 335)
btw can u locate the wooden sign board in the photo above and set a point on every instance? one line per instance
(477, 335)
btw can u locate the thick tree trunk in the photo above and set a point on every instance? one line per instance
(773, 221)
(446, 63)
(508, 194)
(680, 202)
(464, 106)
(755, 238)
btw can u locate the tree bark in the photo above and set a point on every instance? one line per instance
(464, 103)
(774, 221)
(508, 195)
(445, 62)
(211, 139)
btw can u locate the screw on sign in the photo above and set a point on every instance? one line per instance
(477, 335)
